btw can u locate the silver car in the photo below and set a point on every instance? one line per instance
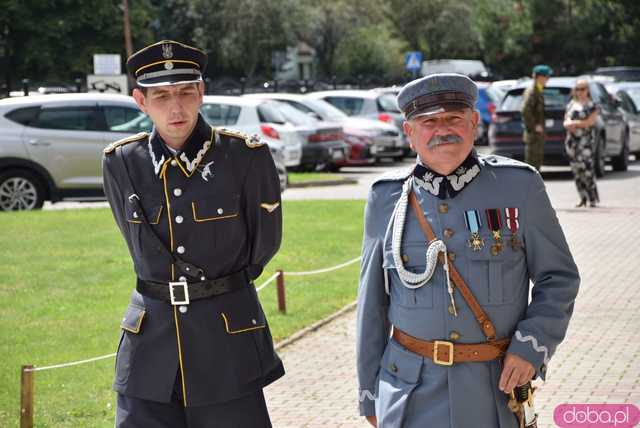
(51, 145)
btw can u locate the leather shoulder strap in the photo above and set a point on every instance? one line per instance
(485, 323)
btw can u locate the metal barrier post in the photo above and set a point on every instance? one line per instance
(282, 304)
(26, 398)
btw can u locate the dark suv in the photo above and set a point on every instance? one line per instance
(506, 130)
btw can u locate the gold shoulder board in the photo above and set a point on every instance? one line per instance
(111, 147)
(252, 141)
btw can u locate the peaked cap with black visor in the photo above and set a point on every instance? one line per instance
(167, 63)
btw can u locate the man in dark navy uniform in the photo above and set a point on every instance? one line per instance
(199, 209)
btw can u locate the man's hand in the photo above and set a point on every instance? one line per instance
(539, 129)
(516, 371)
(372, 420)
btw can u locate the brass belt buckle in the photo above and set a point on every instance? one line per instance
(185, 288)
(436, 345)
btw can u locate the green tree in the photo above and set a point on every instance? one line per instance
(370, 51)
(55, 40)
(252, 30)
(505, 30)
(196, 22)
(437, 28)
(329, 23)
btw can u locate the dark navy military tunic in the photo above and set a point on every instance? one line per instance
(216, 205)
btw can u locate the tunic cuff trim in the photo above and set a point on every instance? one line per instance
(534, 344)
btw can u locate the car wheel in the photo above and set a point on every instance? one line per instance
(621, 162)
(20, 190)
(598, 157)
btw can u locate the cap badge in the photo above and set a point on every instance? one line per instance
(168, 65)
(167, 51)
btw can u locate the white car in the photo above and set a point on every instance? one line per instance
(254, 117)
(369, 138)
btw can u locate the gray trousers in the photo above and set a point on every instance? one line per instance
(249, 411)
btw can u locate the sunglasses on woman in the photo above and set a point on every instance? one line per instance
(580, 89)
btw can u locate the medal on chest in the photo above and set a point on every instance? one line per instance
(474, 223)
(511, 216)
(494, 222)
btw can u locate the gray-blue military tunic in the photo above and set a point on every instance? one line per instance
(216, 205)
(406, 390)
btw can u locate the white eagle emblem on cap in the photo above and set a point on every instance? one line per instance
(167, 51)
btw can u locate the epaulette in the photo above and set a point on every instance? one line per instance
(111, 147)
(503, 162)
(394, 175)
(252, 141)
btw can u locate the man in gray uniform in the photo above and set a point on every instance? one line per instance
(445, 329)
(199, 209)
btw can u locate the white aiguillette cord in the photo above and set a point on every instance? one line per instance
(409, 279)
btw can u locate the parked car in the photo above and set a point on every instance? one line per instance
(323, 145)
(51, 145)
(368, 139)
(489, 97)
(628, 93)
(506, 131)
(620, 73)
(371, 104)
(254, 117)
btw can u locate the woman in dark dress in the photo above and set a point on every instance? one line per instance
(579, 121)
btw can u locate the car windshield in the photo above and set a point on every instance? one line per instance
(325, 110)
(293, 115)
(269, 112)
(634, 94)
(554, 99)
(220, 114)
(388, 103)
(495, 94)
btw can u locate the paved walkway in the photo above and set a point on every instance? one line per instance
(598, 363)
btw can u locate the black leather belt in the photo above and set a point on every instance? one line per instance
(182, 292)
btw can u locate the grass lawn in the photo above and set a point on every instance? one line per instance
(303, 177)
(66, 280)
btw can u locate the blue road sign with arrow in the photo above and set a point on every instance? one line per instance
(413, 61)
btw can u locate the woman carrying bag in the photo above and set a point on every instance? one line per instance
(580, 144)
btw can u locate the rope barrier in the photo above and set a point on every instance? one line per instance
(314, 272)
(27, 378)
(268, 281)
(263, 285)
(74, 363)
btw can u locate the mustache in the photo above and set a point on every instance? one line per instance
(444, 139)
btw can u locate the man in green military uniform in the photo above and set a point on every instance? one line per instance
(533, 117)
